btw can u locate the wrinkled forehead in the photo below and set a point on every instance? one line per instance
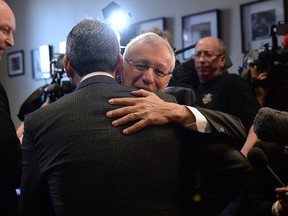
(207, 45)
(151, 52)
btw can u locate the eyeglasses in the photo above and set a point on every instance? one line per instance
(142, 66)
(206, 54)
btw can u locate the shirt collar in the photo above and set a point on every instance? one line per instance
(96, 74)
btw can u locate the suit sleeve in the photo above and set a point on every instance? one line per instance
(30, 176)
(225, 125)
(34, 187)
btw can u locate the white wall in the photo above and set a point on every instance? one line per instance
(48, 22)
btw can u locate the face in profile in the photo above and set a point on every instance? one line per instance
(7, 27)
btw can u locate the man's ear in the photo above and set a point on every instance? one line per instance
(223, 61)
(68, 67)
(119, 68)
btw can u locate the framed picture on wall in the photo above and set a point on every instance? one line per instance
(41, 58)
(257, 19)
(15, 63)
(196, 26)
(143, 26)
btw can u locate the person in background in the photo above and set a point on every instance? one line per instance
(164, 34)
(273, 86)
(257, 82)
(271, 149)
(271, 141)
(76, 163)
(206, 73)
(148, 60)
(259, 195)
(218, 89)
(10, 144)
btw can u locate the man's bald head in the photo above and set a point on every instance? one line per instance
(7, 27)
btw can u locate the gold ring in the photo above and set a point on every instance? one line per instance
(135, 116)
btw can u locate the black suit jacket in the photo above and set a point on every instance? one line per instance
(220, 122)
(9, 158)
(221, 170)
(73, 156)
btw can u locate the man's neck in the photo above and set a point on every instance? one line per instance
(206, 79)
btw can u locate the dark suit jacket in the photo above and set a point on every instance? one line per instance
(220, 122)
(221, 170)
(73, 155)
(9, 158)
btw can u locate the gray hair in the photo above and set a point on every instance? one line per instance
(92, 45)
(149, 38)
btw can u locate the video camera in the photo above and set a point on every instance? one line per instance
(273, 59)
(55, 90)
(58, 87)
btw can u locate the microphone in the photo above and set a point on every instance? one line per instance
(271, 125)
(184, 49)
(258, 159)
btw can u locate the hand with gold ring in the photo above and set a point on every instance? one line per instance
(135, 116)
(147, 109)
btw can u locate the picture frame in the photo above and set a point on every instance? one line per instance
(196, 26)
(15, 63)
(256, 20)
(41, 58)
(141, 27)
(138, 28)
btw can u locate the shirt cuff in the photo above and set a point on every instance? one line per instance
(274, 209)
(202, 124)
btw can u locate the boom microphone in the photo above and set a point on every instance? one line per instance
(258, 159)
(184, 49)
(271, 125)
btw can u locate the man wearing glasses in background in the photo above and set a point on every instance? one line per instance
(218, 89)
(223, 91)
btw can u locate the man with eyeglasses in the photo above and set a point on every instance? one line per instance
(148, 62)
(223, 91)
(147, 74)
(218, 89)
